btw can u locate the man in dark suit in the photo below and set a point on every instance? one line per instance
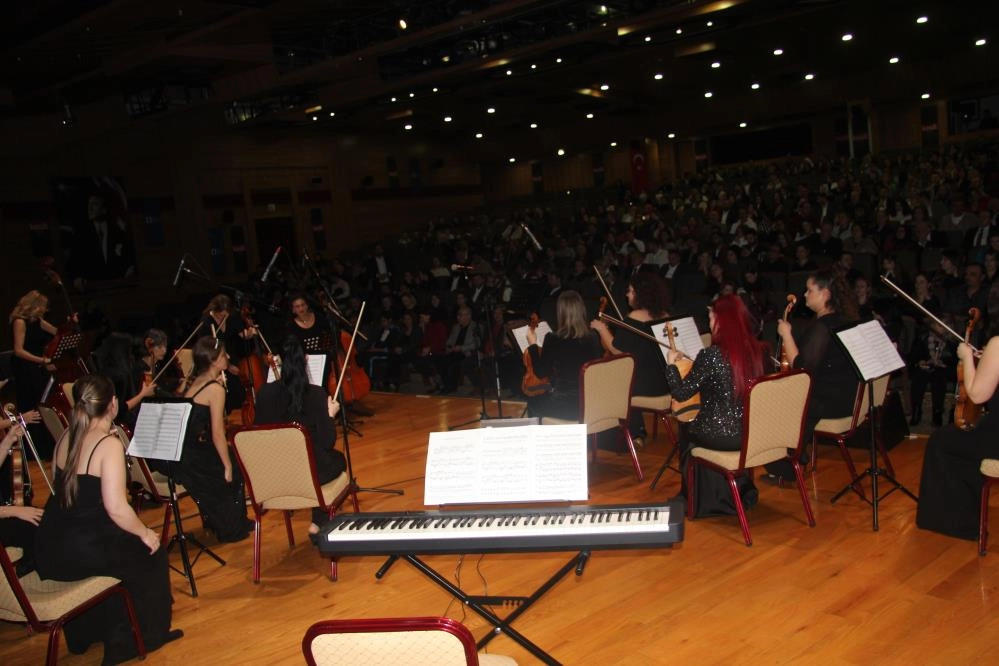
(101, 248)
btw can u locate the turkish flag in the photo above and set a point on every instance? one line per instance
(639, 173)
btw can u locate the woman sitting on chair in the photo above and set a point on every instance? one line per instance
(17, 523)
(564, 352)
(293, 398)
(721, 374)
(89, 529)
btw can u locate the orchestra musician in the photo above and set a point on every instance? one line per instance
(647, 296)
(812, 346)
(116, 359)
(206, 468)
(89, 529)
(293, 398)
(561, 356)
(721, 374)
(228, 326)
(17, 523)
(310, 328)
(951, 485)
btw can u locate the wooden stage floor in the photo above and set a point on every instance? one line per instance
(835, 594)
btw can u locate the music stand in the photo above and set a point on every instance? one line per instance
(67, 342)
(873, 355)
(180, 537)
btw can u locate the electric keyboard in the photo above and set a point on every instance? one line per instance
(577, 527)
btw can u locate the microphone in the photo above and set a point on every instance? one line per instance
(267, 271)
(305, 257)
(180, 271)
(462, 267)
(537, 245)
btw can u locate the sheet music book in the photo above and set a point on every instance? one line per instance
(314, 366)
(520, 335)
(872, 351)
(160, 429)
(532, 463)
(688, 340)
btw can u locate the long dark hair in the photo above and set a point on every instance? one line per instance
(842, 298)
(293, 372)
(651, 293)
(733, 333)
(206, 350)
(92, 395)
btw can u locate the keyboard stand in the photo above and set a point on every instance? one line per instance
(479, 603)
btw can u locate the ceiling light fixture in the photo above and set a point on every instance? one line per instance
(558, 61)
(648, 39)
(512, 160)
(412, 95)
(315, 118)
(402, 24)
(534, 126)
(392, 100)
(332, 113)
(490, 110)
(980, 42)
(778, 52)
(604, 86)
(710, 23)
(589, 116)
(509, 72)
(847, 37)
(434, 90)
(534, 66)
(743, 125)
(478, 135)
(671, 135)
(715, 65)
(658, 76)
(447, 119)
(679, 31)
(809, 76)
(924, 96)
(755, 86)
(613, 144)
(407, 127)
(893, 60)
(560, 152)
(709, 94)
(922, 19)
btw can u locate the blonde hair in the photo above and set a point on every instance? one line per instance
(93, 395)
(31, 306)
(571, 316)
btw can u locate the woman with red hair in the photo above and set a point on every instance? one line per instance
(721, 374)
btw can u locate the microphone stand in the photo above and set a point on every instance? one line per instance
(344, 421)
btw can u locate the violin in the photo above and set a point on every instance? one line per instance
(20, 480)
(784, 363)
(532, 385)
(966, 412)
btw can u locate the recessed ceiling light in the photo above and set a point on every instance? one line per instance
(613, 144)
(980, 42)
(648, 38)
(604, 87)
(809, 76)
(534, 126)
(402, 24)
(671, 135)
(743, 125)
(847, 37)
(710, 23)
(558, 60)
(446, 58)
(658, 76)
(332, 113)
(560, 152)
(490, 110)
(922, 19)
(589, 116)
(893, 60)
(407, 127)
(715, 65)
(534, 66)
(509, 72)
(435, 90)
(755, 86)
(412, 95)
(447, 119)
(709, 94)
(314, 118)
(778, 52)
(679, 31)
(392, 100)
(925, 96)
(512, 160)
(478, 135)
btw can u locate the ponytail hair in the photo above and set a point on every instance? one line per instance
(206, 351)
(92, 395)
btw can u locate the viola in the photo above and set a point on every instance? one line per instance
(532, 385)
(685, 410)
(784, 363)
(20, 482)
(966, 412)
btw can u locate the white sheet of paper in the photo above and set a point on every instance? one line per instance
(871, 349)
(159, 430)
(688, 340)
(516, 464)
(520, 334)
(314, 366)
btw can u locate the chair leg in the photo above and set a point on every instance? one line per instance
(631, 449)
(133, 619)
(53, 652)
(333, 571)
(741, 510)
(804, 493)
(287, 527)
(983, 524)
(256, 550)
(691, 490)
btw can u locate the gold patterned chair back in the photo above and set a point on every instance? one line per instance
(606, 392)
(775, 407)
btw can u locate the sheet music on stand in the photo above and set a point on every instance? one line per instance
(520, 335)
(688, 339)
(872, 351)
(67, 342)
(531, 463)
(160, 429)
(314, 366)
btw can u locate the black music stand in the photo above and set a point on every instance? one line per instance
(874, 356)
(180, 537)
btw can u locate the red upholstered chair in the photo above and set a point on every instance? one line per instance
(990, 470)
(280, 473)
(46, 605)
(773, 421)
(414, 641)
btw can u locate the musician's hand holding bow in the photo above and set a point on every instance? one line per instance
(674, 355)
(332, 407)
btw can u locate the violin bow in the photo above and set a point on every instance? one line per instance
(929, 314)
(177, 352)
(607, 291)
(350, 348)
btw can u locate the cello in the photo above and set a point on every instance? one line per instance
(966, 412)
(532, 385)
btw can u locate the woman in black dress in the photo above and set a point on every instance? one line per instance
(721, 374)
(562, 355)
(294, 399)
(17, 523)
(222, 322)
(813, 346)
(30, 367)
(951, 487)
(89, 529)
(206, 468)
(647, 296)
